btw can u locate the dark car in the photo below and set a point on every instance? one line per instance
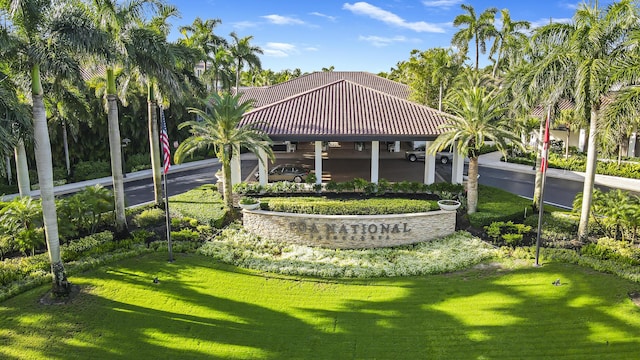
(418, 154)
(288, 172)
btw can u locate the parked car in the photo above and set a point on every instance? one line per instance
(418, 154)
(288, 172)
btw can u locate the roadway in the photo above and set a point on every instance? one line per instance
(558, 191)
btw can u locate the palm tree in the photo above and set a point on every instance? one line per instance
(480, 29)
(509, 40)
(219, 127)
(165, 68)
(117, 20)
(244, 52)
(16, 127)
(580, 56)
(52, 34)
(478, 109)
(622, 114)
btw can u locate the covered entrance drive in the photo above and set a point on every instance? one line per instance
(334, 108)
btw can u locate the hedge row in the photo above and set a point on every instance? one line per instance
(324, 206)
(629, 170)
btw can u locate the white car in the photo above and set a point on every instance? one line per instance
(419, 154)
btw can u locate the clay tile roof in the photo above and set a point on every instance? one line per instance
(563, 104)
(267, 95)
(345, 110)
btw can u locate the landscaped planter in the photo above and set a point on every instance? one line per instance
(350, 231)
(449, 205)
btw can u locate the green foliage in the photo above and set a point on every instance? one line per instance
(87, 170)
(203, 203)
(311, 178)
(615, 213)
(137, 162)
(247, 200)
(322, 205)
(185, 235)
(85, 246)
(149, 217)
(21, 225)
(508, 232)
(82, 211)
(498, 205)
(558, 227)
(611, 249)
(578, 162)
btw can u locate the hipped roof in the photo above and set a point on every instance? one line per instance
(345, 110)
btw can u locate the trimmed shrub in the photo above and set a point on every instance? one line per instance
(149, 217)
(86, 170)
(324, 206)
(185, 235)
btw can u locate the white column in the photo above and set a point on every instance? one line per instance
(375, 161)
(429, 165)
(318, 154)
(632, 144)
(236, 173)
(457, 166)
(396, 146)
(263, 167)
(582, 139)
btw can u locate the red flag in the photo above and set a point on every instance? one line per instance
(164, 141)
(545, 148)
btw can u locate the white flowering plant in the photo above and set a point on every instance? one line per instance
(240, 248)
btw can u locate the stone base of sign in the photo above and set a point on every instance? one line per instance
(350, 231)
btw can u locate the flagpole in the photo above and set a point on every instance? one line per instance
(543, 169)
(166, 164)
(167, 217)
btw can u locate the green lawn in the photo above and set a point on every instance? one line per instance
(201, 309)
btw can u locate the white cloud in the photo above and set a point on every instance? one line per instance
(442, 3)
(380, 41)
(283, 20)
(311, 48)
(542, 22)
(244, 24)
(275, 49)
(328, 17)
(570, 6)
(374, 12)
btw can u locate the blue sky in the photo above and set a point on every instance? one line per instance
(367, 35)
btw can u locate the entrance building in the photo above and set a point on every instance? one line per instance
(358, 109)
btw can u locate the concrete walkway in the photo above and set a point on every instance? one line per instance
(488, 160)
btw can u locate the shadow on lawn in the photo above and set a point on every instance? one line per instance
(473, 314)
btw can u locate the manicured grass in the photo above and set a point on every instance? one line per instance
(201, 309)
(203, 203)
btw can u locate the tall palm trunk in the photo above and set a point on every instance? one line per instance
(440, 91)
(477, 52)
(45, 179)
(589, 177)
(115, 152)
(472, 186)
(7, 162)
(566, 146)
(65, 144)
(154, 144)
(238, 76)
(226, 172)
(22, 169)
(537, 187)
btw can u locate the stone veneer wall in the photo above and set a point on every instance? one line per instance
(350, 231)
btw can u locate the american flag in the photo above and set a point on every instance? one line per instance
(164, 141)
